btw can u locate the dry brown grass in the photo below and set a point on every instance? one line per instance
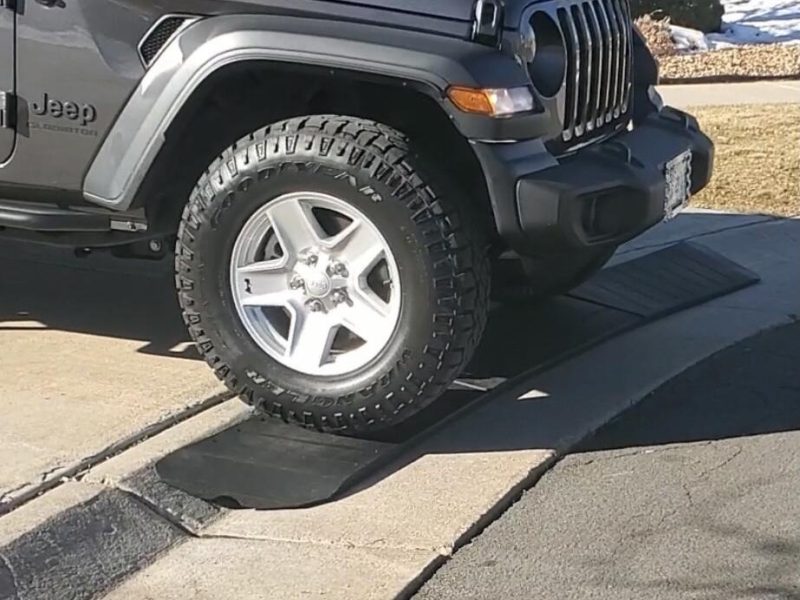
(758, 159)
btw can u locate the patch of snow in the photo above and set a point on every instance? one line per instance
(688, 40)
(746, 22)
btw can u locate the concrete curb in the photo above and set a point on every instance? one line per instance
(104, 524)
(116, 470)
(54, 479)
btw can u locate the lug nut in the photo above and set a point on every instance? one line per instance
(339, 297)
(315, 306)
(155, 246)
(297, 282)
(339, 269)
(312, 260)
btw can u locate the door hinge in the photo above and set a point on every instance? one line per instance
(8, 110)
(488, 23)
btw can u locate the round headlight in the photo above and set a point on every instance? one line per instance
(548, 67)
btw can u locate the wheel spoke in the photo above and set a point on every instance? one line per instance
(366, 315)
(263, 283)
(295, 226)
(310, 339)
(360, 248)
(341, 239)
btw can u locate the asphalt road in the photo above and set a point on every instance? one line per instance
(693, 493)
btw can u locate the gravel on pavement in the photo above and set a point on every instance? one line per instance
(736, 63)
(767, 61)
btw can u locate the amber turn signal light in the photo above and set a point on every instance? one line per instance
(491, 102)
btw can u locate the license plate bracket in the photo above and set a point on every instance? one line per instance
(678, 176)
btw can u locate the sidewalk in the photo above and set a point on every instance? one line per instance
(728, 94)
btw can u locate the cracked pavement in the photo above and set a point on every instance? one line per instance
(690, 494)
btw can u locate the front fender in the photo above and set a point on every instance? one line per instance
(430, 62)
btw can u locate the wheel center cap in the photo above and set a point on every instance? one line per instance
(318, 285)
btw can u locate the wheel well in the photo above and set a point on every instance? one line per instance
(246, 96)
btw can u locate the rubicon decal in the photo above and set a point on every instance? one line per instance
(64, 109)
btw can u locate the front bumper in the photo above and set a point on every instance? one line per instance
(604, 194)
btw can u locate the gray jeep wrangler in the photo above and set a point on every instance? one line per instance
(342, 182)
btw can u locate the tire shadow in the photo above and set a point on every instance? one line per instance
(52, 289)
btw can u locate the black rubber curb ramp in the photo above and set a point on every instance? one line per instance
(263, 463)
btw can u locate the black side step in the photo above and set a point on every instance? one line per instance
(49, 218)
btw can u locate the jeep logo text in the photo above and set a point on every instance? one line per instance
(47, 106)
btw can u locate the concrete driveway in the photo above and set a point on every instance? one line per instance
(95, 358)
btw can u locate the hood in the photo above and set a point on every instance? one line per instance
(456, 10)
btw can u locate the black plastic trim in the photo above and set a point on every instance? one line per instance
(537, 198)
(49, 218)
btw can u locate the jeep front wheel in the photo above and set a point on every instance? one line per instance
(327, 278)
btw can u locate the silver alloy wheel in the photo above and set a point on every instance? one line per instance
(315, 284)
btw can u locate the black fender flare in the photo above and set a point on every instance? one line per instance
(430, 62)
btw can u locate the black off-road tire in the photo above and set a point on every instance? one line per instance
(441, 254)
(530, 279)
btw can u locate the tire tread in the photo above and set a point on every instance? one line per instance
(458, 256)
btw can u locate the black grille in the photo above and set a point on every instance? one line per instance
(598, 38)
(159, 36)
